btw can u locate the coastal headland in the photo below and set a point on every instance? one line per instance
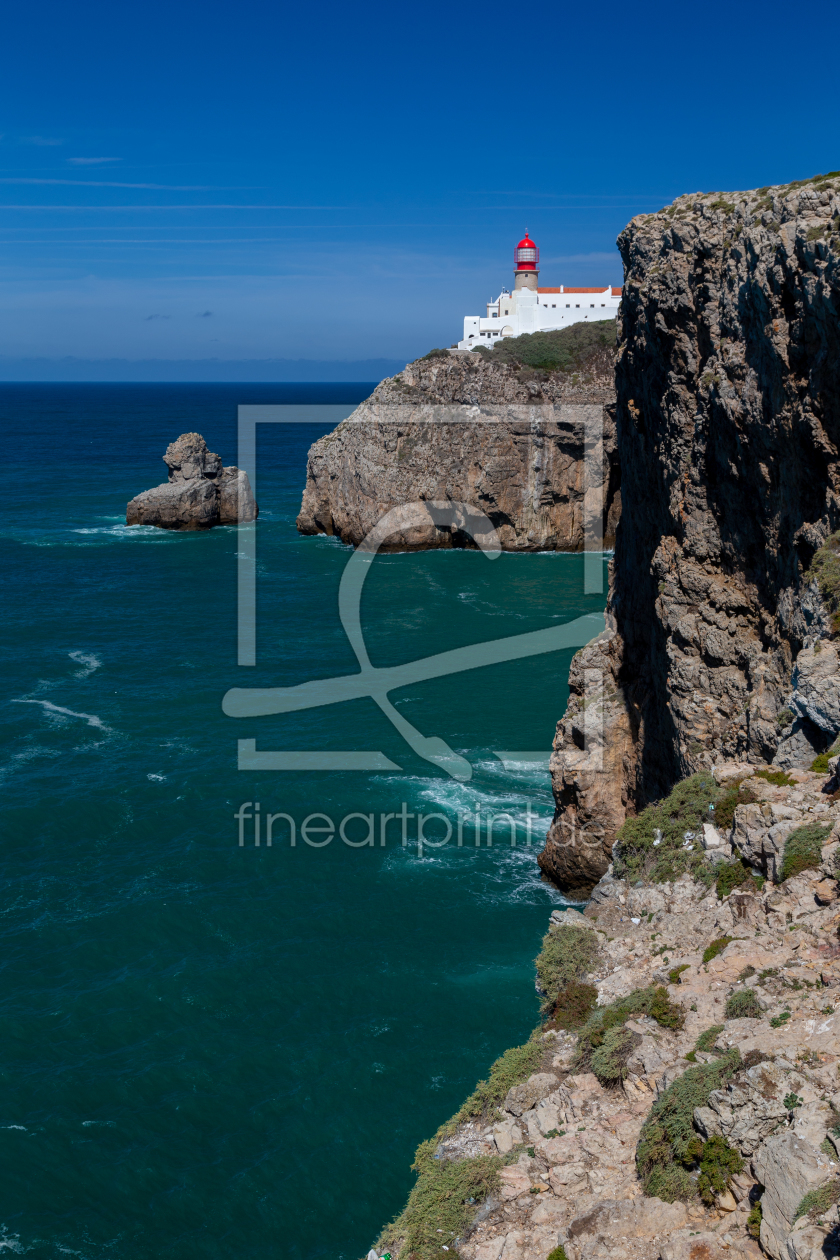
(679, 1099)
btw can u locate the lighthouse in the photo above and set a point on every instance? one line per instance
(526, 269)
(530, 309)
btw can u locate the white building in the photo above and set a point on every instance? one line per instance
(530, 309)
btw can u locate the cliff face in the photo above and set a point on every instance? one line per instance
(525, 470)
(728, 425)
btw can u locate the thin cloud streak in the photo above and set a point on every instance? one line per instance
(102, 183)
(228, 205)
(99, 161)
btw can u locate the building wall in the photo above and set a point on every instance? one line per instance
(526, 311)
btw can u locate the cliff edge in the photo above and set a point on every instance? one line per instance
(487, 429)
(721, 601)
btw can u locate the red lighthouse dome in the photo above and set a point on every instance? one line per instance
(526, 255)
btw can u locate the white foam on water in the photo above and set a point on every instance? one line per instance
(89, 662)
(22, 1127)
(90, 718)
(124, 531)
(157, 778)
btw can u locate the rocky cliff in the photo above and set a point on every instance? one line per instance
(200, 492)
(502, 436)
(728, 425)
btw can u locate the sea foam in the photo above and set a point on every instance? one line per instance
(90, 718)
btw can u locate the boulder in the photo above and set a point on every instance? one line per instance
(199, 494)
(816, 679)
(525, 1096)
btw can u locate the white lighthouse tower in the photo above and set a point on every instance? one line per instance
(530, 309)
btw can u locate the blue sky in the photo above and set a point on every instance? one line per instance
(260, 180)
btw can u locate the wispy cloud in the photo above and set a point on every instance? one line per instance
(41, 141)
(79, 161)
(101, 183)
(204, 314)
(148, 317)
(227, 205)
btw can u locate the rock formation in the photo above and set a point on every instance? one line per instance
(200, 493)
(728, 425)
(748, 983)
(419, 437)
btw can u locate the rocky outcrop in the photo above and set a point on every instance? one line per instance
(458, 428)
(567, 1144)
(728, 425)
(200, 493)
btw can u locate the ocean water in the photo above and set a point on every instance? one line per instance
(213, 1050)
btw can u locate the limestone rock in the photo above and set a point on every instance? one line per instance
(612, 1222)
(816, 681)
(200, 492)
(748, 1113)
(525, 469)
(788, 1167)
(729, 305)
(522, 1097)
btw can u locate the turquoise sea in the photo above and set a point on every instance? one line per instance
(213, 1050)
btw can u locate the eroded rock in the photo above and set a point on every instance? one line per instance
(199, 494)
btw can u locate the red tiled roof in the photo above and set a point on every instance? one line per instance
(615, 292)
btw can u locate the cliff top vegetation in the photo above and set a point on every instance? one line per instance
(583, 347)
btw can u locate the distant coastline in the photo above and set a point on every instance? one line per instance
(203, 371)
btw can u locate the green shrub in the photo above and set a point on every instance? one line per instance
(754, 1221)
(685, 809)
(718, 1163)
(609, 1061)
(571, 349)
(675, 972)
(444, 1198)
(779, 1021)
(573, 1005)
(784, 718)
(605, 1054)
(736, 874)
(715, 947)
(559, 1253)
(568, 953)
(667, 1141)
(706, 1041)
(728, 801)
(820, 764)
(437, 354)
(817, 1202)
(778, 778)
(803, 849)
(667, 1014)
(742, 1005)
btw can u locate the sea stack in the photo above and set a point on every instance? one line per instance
(199, 494)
